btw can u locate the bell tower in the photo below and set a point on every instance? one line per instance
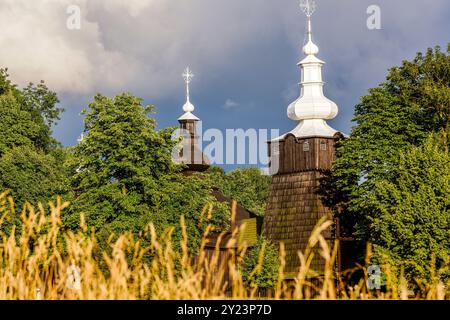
(190, 153)
(302, 156)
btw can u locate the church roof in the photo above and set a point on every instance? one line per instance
(188, 116)
(188, 107)
(311, 108)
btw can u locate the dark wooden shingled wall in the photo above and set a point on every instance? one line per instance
(294, 207)
(191, 153)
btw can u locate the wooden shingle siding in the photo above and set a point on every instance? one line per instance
(191, 153)
(293, 158)
(294, 207)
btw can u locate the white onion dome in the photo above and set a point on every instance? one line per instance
(310, 48)
(188, 107)
(312, 108)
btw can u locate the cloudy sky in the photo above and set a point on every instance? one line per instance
(244, 53)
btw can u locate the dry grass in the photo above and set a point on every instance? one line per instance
(42, 262)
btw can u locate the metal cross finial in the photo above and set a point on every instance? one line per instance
(188, 75)
(308, 7)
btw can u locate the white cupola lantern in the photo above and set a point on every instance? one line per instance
(188, 107)
(312, 108)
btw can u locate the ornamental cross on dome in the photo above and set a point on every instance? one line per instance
(188, 107)
(308, 7)
(312, 108)
(188, 75)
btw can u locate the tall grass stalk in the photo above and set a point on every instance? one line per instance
(44, 261)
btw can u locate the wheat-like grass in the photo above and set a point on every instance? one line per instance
(41, 261)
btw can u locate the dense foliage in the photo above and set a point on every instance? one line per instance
(373, 184)
(31, 161)
(411, 215)
(124, 178)
(261, 265)
(248, 186)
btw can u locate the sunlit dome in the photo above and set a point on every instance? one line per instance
(310, 48)
(312, 108)
(188, 107)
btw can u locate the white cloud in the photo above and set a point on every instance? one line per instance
(231, 104)
(137, 45)
(143, 45)
(133, 7)
(36, 44)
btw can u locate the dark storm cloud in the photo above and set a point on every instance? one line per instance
(241, 51)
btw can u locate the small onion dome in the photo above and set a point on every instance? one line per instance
(310, 48)
(188, 107)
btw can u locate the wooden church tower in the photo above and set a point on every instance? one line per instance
(298, 161)
(190, 153)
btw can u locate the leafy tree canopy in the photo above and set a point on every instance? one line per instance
(124, 177)
(248, 186)
(27, 115)
(261, 265)
(410, 217)
(393, 119)
(31, 161)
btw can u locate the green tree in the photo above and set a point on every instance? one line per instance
(33, 174)
(124, 177)
(31, 160)
(414, 101)
(410, 216)
(393, 118)
(27, 115)
(261, 264)
(248, 186)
